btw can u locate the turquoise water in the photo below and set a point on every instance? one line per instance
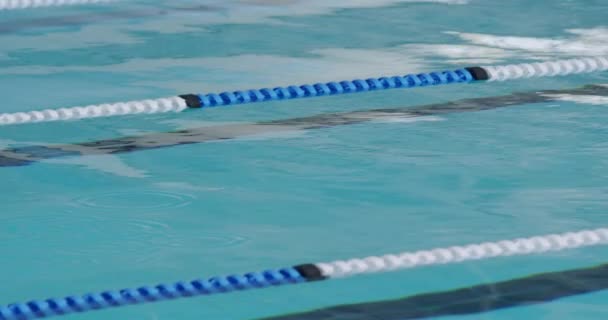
(80, 224)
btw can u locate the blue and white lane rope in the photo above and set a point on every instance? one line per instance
(195, 101)
(302, 273)
(26, 4)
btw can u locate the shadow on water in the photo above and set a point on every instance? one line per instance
(536, 289)
(20, 156)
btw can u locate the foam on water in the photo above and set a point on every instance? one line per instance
(580, 42)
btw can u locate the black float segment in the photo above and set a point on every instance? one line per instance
(192, 100)
(310, 272)
(478, 73)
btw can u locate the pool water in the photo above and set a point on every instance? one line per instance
(71, 225)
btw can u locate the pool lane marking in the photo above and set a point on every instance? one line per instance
(20, 156)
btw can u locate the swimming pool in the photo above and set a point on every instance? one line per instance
(394, 183)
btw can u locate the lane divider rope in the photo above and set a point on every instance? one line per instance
(26, 4)
(302, 273)
(197, 101)
(546, 69)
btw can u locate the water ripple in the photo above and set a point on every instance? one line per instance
(78, 239)
(147, 199)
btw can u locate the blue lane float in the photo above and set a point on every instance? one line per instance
(147, 294)
(333, 88)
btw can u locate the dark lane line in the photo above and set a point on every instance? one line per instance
(536, 289)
